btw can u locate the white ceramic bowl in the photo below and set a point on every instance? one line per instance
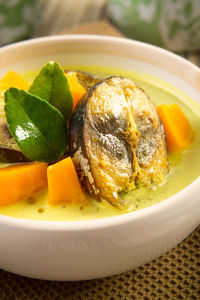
(96, 248)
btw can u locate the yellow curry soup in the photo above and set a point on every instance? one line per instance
(179, 176)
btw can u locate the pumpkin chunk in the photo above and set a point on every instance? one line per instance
(178, 131)
(12, 79)
(21, 181)
(77, 89)
(63, 184)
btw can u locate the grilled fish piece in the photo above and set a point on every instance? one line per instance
(85, 79)
(151, 151)
(9, 151)
(117, 140)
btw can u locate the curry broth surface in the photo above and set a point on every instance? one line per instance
(184, 167)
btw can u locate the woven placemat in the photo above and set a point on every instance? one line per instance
(175, 275)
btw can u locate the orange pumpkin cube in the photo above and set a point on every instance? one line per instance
(63, 184)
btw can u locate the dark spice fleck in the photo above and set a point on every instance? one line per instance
(40, 210)
(31, 200)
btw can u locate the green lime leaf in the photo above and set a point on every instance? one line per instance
(51, 84)
(38, 128)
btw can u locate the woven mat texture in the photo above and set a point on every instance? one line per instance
(175, 275)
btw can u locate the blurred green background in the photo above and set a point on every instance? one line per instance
(172, 24)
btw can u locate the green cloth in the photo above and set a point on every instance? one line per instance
(172, 24)
(18, 18)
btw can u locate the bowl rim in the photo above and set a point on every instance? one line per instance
(98, 224)
(92, 37)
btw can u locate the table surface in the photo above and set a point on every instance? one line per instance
(175, 275)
